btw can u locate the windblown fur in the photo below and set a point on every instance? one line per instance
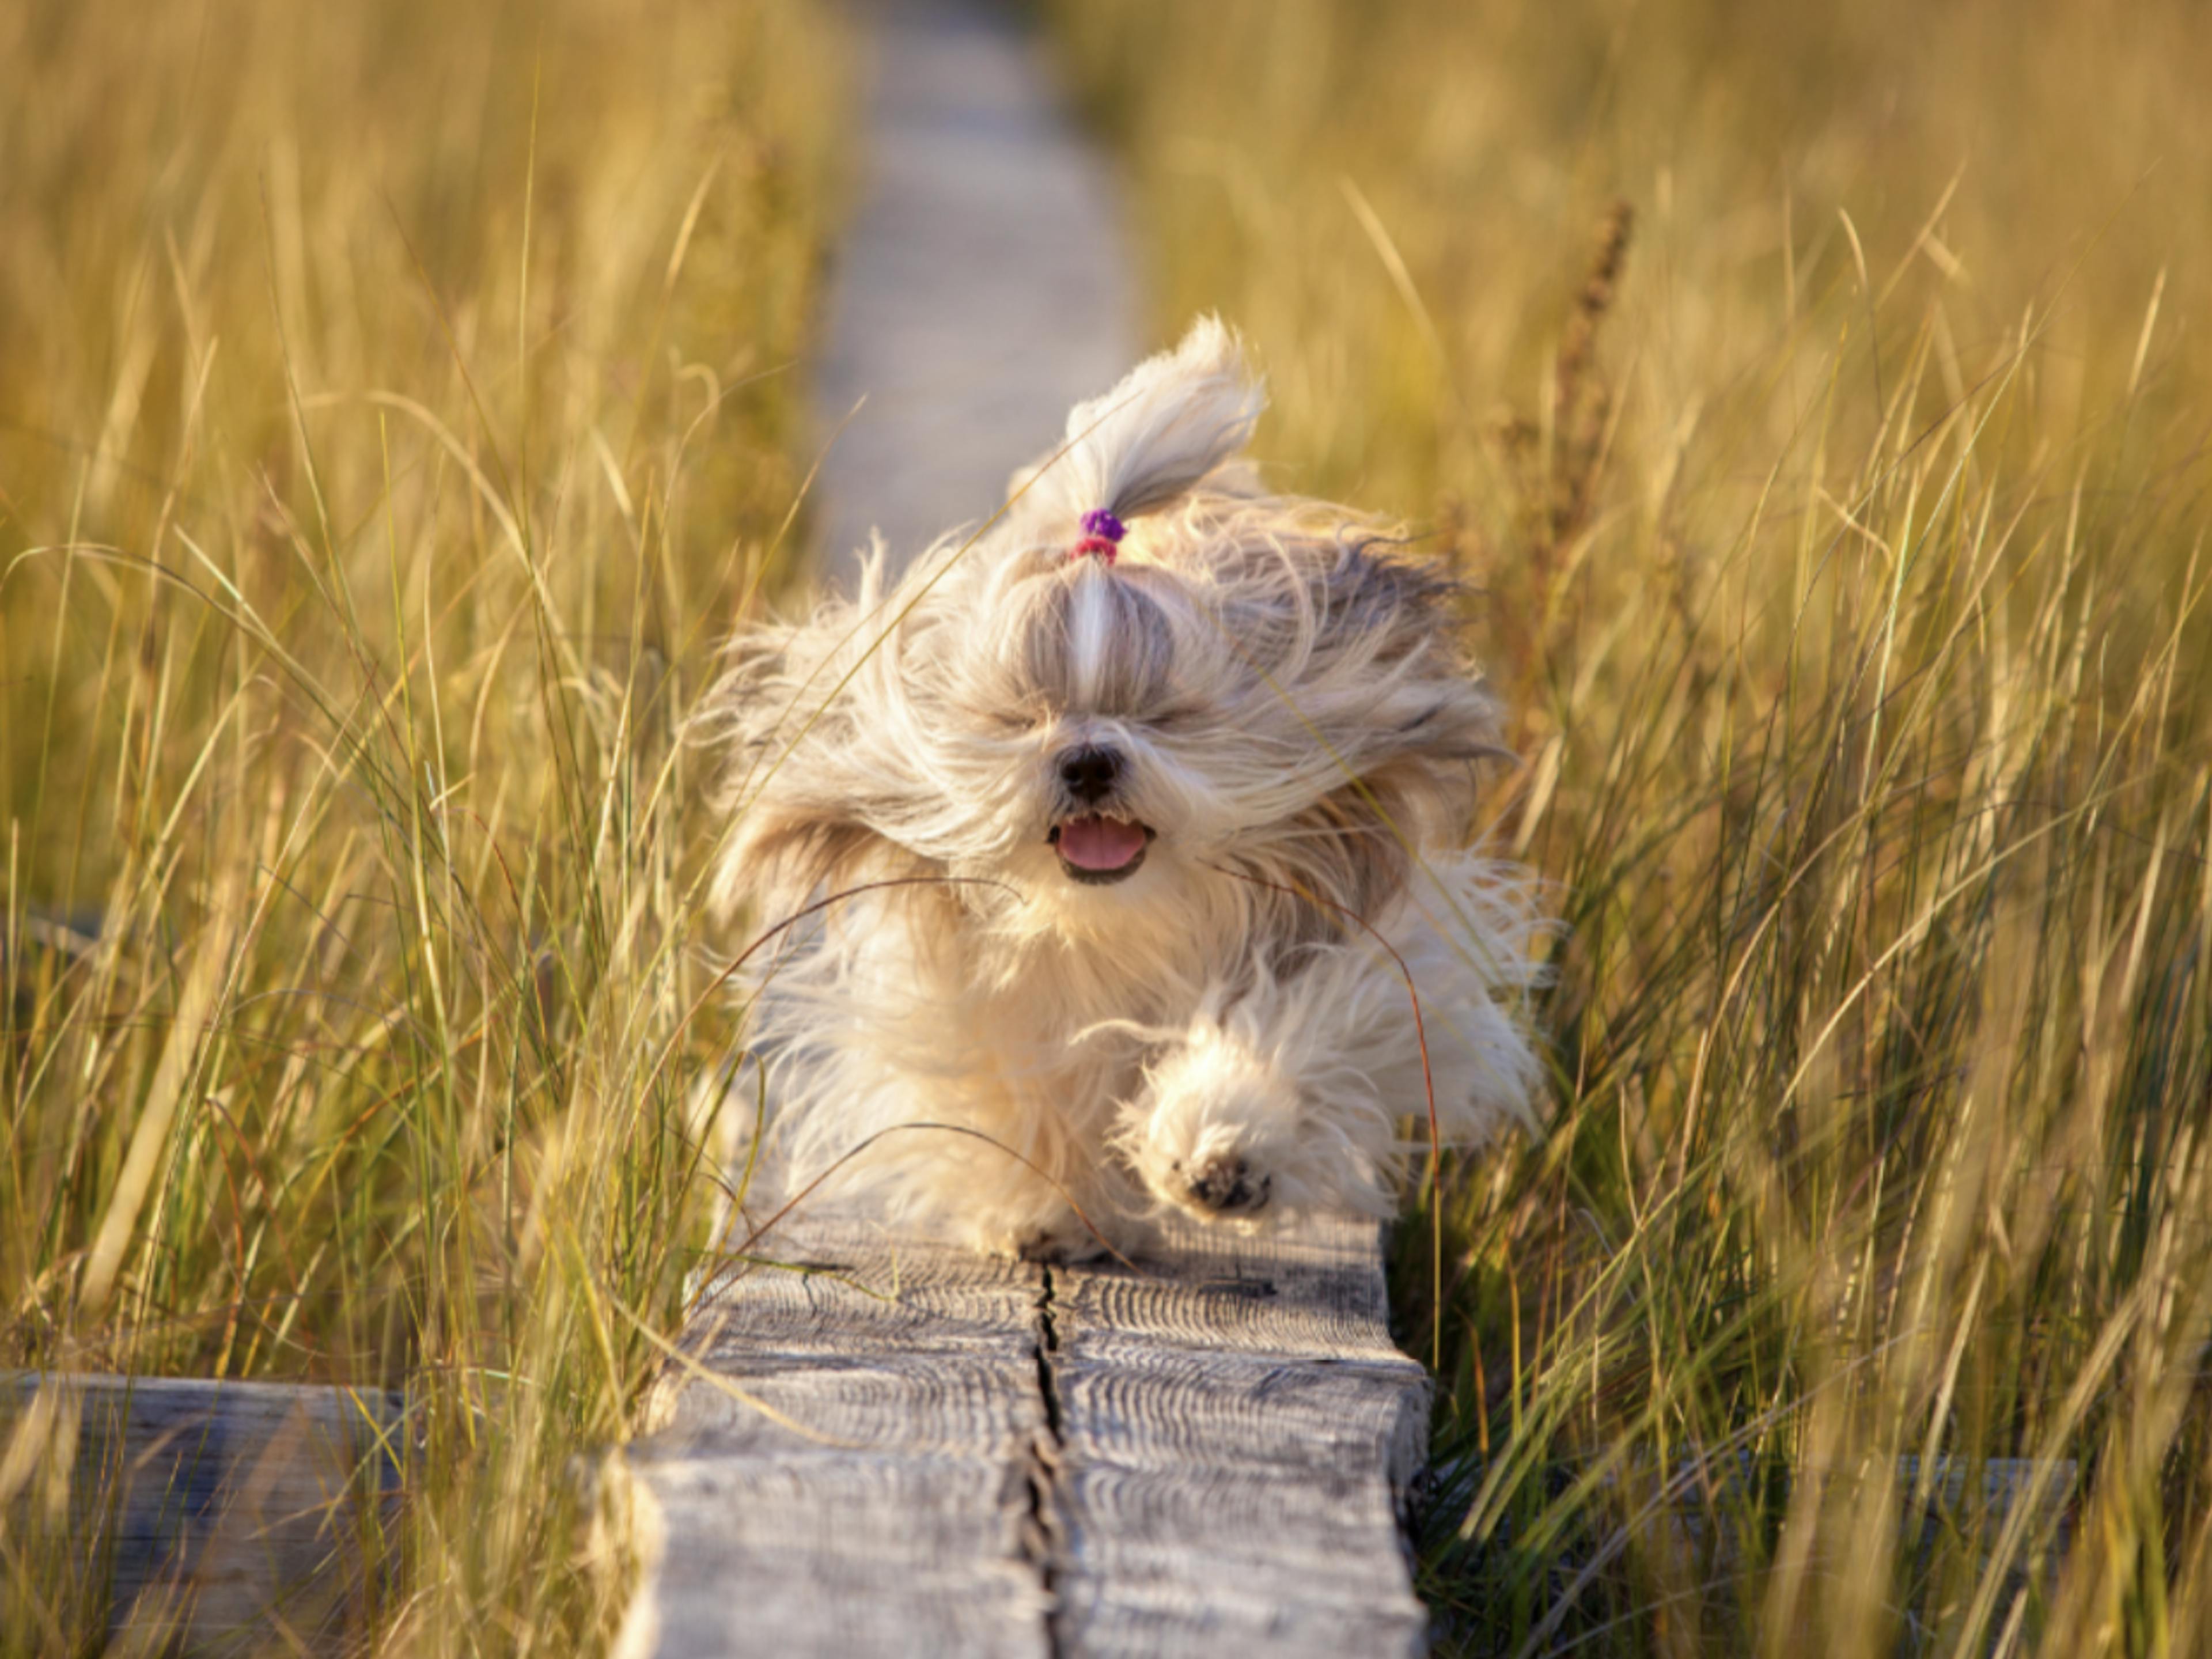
(1142, 815)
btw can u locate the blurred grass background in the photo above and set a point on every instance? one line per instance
(396, 403)
(1815, 397)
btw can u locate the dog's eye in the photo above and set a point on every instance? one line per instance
(1011, 719)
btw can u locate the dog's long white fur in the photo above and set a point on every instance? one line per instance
(1294, 720)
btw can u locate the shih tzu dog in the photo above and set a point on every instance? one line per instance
(1129, 834)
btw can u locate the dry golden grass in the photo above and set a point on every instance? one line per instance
(395, 402)
(1839, 541)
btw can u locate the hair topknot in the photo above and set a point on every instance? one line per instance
(1172, 419)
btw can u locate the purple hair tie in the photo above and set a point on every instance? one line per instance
(1102, 534)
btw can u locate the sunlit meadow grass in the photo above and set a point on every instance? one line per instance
(1837, 531)
(396, 402)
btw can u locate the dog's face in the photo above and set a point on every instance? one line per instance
(1252, 688)
(1073, 734)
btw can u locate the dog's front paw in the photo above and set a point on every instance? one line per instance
(1213, 1129)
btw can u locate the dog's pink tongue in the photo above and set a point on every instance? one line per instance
(1096, 843)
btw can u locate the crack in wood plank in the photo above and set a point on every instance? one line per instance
(972, 1454)
(1046, 1472)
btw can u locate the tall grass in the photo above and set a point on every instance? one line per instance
(1836, 513)
(395, 403)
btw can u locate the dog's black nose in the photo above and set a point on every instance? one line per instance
(1089, 773)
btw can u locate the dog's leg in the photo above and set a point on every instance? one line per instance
(1215, 1123)
(1299, 1092)
(1088, 1215)
(1009, 1172)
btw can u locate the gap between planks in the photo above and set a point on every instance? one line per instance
(908, 1448)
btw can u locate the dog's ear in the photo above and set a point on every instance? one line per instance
(1406, 617)
(797, 784)
(1389, 684)
(1173, 420)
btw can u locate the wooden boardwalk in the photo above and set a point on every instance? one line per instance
(903, 1448)
(981, 290)
(216, 1516)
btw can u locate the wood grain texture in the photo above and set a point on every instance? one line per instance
(209, 1517)
(940, 1452)
(1237, 1431)
(871, 1490)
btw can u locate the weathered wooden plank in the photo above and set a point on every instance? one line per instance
(873, 1490)
(937, 1451)
(209, 1516)
(1237, 1431)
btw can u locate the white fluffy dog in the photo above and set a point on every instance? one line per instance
(1148, 803)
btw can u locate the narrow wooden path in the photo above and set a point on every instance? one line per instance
(982, 289)
(907, 1449)
(887, 1447)
(210, 1516)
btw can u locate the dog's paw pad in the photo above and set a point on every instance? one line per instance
(1228, 1185)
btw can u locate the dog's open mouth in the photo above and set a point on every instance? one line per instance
(1098, 850)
